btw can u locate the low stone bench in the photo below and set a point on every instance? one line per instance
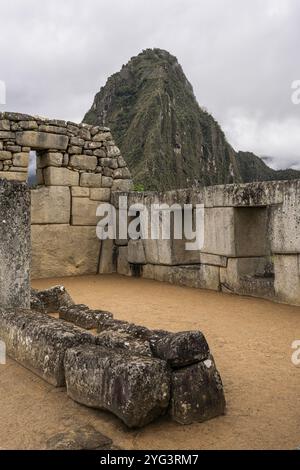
(134, 372)
(134, 388)
(82, 316)
(40, 342)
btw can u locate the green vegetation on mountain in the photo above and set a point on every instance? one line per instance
(167, 139)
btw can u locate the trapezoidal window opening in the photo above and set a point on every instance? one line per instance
(32, 169)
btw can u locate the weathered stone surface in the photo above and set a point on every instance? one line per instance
(134, 388)
(84, 438)
(50, 159)
(100, 194)
(102, 136)
(122, 185)
(136, 331)
(90, 180)
(39, 342)
(83, 162)
(14, 244)
(4, 125)
(108, 260)
(248, 276)
(136, 252)
(82, 316)
(113, 151)
(123, 340)
(199, 277)
(42, 140)
(287, 278)
(213, 260)
(71, 251)
(60, 177)
(181, 349)
(197, 393)
(52, 299)
(123, 266)
(78, 191)
(50, 205)
(107, 182)
(84, 211)
(21, 159)
(13, 176)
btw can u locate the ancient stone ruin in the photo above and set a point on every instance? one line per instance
(252, 240)
(136, 373)
(251, 247)
(78, 167)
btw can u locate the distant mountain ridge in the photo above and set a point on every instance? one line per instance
(167, 139)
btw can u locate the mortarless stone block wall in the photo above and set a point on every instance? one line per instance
(78, 167)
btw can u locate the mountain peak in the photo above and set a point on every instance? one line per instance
(167, 140)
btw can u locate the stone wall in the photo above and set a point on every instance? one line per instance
(252, 231)
(78, 166)
(14, 244)
(251, 242)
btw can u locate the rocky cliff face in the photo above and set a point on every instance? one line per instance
(168, 140)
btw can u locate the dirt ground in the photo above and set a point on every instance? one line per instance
(250, 339)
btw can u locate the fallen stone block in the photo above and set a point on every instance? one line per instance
(39, 342)
(134, 388)
(52, 299)
(83, 317)
(197, 393)
(181, 349)
(84, 438)
(123, 340)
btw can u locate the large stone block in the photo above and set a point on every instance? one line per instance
(39, 342)
(50, 159)
(21, 159)
(13, 176)
(136, 252)
(248, 276)
(84, 211)
(60, 177)
(108, 257)
(200, 277)
(42, 140)
(134, 388)
(50, 205)
(100, 194)
(91, 180)
(82, 316)
(287, 278)
(285, 224)
(197, 393)
(123, 266)
(83, 162)
(50, 300)
(219, 231)
(71, 251)
(5, 155)
(14, 245)
(181, 349)
(123, 340)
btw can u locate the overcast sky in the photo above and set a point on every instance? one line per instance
(241, 57)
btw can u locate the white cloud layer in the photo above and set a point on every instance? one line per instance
(240, 56)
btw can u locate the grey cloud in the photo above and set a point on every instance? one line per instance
(240, 56)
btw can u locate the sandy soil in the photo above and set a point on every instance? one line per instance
(250, 339)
